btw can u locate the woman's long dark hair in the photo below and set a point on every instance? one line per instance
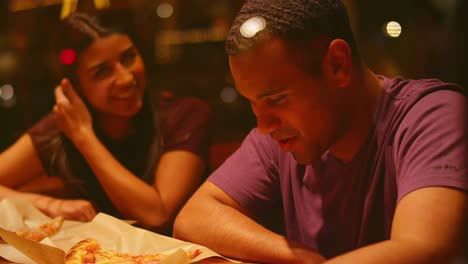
(77, 32)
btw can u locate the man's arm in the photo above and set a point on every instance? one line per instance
(212, 218)
(428, 227)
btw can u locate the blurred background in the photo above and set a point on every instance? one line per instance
(183, 43)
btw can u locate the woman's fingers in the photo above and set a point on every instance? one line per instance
(89, 214)
(60, 98)
(81, 210)
(65, 94)
(71, 114)
(69, 91)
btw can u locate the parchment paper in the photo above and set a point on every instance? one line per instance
(112, 233)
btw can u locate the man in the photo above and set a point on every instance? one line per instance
(368, 169)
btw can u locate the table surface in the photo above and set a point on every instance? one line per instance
(204, 261)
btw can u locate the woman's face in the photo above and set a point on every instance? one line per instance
(111, 76)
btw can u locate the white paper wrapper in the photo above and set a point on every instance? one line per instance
(110, 232)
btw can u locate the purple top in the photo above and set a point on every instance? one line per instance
(418, 140)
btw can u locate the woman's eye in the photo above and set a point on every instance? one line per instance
(128, 58)
(101, 73)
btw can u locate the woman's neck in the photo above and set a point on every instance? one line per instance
(114, 127)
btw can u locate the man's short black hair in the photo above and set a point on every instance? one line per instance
(293, 21)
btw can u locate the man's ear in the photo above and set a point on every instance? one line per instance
(338, 63)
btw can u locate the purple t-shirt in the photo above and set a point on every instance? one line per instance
(418, 140)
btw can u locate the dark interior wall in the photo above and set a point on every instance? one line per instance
(201, 69)
(462, 42)
(427, 46)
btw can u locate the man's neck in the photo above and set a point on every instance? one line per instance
(366, 92)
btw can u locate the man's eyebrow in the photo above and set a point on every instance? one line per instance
(269, 93)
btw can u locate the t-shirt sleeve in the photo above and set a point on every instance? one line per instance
(43, 135)
(431, 144)
(188, 126)
(250, 174)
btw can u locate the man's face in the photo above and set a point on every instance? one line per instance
(304, 113)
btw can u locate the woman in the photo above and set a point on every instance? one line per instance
(113, 151)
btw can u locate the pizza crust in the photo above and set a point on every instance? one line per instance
(45, 230)
(89, 251)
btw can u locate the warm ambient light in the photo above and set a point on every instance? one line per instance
(165, 10)
(393, 29)
(101, 4)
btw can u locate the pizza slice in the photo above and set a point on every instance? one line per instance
(38, 233)
(89, 251)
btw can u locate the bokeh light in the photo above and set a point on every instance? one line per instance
(228, 95)
(165, 10)
(393, 29)
(7, 96)
(67, 56)
(8, 62)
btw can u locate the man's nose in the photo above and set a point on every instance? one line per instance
(266, 125)
(267, 122)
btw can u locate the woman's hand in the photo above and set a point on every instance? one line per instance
(73, 118)
(80, 210)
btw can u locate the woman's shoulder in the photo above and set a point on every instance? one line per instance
(186, 113)
(186, 102)
(45, 125)
(185, 106)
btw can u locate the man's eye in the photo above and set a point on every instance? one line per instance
(276, 99)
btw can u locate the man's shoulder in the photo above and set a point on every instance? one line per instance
(403, 100)
(401, 95)
(401, 89)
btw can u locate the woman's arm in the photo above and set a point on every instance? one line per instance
(80, 210)
(20, 164)
(178, 175)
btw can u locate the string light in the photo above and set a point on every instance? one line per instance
(393, 29)
(69, 6)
